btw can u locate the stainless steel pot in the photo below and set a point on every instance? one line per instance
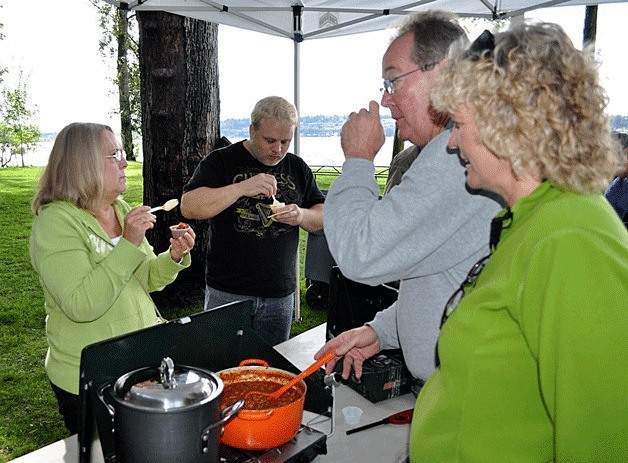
(168, 414)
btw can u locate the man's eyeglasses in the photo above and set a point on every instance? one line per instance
(118, 155)
(389, 84)
(455, 298)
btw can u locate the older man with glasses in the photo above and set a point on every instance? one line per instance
(427, 231)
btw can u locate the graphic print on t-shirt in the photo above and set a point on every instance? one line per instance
(252, 214)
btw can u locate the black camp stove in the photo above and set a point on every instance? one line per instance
(302, 448)
(214, 340)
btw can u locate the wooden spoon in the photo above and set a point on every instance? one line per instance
(168, 205)
(304, 374)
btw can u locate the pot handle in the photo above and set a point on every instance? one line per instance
(227, 413)
(261, 362)
(101, 396)
(255, 415)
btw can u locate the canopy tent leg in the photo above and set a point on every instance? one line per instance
(298, 38)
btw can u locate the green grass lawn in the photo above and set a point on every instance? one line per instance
(28, 414)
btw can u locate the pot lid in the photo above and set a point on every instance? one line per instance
(168, 388)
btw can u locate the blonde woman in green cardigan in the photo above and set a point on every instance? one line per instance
(533, 345)
(89, 249)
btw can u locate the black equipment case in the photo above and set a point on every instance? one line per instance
(352, 304)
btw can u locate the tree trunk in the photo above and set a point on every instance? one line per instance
(126, 125)
(180, 124)
(590, 26)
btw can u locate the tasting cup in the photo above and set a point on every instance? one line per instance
(178, 232)
(352, 415)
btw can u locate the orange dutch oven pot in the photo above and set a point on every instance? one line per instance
(262, 429)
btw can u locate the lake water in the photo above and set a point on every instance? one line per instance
(316, 151)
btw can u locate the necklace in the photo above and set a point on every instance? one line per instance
(109, 222)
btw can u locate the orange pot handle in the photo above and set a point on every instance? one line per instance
(255, 415)
(261, 362)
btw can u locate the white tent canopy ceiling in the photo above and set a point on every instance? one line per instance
(311, 19)
(300, 20)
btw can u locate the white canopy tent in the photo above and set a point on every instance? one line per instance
(311, 19)
(300, 20)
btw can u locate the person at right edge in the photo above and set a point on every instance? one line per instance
(427, 230)
(533, 346)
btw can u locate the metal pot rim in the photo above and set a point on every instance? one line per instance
(258, 371)
(257, 368)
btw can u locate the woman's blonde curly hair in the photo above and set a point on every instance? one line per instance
(538, 104)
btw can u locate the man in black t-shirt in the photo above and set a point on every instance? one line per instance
(252, 247)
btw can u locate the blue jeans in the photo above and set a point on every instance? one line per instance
(272, 316)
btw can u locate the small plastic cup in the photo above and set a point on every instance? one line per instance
(178, 232)
(274, 206)
(352, 415)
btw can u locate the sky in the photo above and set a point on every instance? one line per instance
(55, 44)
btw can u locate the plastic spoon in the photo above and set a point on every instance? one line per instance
(168, 205)
(304, 374)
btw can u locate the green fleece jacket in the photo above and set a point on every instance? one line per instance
(93, 289)
(533, 359)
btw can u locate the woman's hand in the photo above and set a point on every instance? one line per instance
(179, 247)
(136, 222)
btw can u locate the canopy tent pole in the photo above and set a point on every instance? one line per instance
(297, 151)
(297, 94)
(297, 33)
(297, 38)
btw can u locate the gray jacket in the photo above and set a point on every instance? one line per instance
(427, 232)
